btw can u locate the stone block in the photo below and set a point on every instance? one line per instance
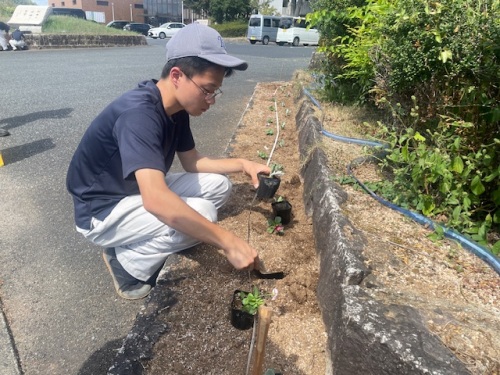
(51, 41)
(365, 335)
(29, 15)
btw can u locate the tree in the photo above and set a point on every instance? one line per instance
(198, 6)
(229, 10)
(7, 7)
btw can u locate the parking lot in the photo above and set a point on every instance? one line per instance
(56, 293)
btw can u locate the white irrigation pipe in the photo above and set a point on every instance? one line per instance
(475, 248)
(277, 129)
(250, 353)
(249, 360)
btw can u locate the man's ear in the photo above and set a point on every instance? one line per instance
(175, 75)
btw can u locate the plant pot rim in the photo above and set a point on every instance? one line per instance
(283, 202)
(264, 175)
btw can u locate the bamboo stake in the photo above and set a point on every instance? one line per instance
(263, 322)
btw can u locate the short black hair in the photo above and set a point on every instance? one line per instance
(4, 27)
(191, 66)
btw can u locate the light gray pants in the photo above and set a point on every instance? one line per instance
(17, 43)
(141, 241)
(3, 40)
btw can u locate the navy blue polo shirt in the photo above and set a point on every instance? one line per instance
(131, 133)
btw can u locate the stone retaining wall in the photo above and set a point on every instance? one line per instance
(45, 41)
(365, 336)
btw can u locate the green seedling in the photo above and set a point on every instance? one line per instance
(276, 170)
(251, 301)
(274, 226)
(262, 155)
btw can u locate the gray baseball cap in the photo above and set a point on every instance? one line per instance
(204, 42)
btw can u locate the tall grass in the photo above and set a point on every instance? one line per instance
(73, 25)
(64, 24)
(7, 8)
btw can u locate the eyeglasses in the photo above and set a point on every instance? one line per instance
(208, 95)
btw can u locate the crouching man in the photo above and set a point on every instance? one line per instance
(17, 40)
(126, 199)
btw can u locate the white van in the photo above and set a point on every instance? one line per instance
(293, 30)
(262, 28)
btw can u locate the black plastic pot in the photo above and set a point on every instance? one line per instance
(240, 319)
(267, 186)
(282, 209)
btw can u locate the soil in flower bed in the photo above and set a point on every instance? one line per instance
(456, 293)
(200, 338)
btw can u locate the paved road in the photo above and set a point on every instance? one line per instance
(56, 293)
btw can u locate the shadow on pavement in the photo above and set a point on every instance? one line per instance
(100, 361)
(17, 153)
(14, 122)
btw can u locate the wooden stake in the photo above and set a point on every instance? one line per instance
(263, 322)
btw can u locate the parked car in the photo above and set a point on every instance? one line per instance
(142, 28)
(72, 12)
(167, 30)
(118, 24)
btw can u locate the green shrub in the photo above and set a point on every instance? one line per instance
(234, 29)
(433, 67)
(439, 174)
(446, 54)
(332, 21)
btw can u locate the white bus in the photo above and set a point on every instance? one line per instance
(262, 28)
(293, 30)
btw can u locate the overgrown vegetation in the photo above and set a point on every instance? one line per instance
(232, 29)
(61, 24)
(73, 25)
(7, 8)
(221, 10)
(433, 68)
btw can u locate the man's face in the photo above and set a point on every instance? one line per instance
(199, 92)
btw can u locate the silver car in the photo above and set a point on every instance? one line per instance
(167, 30)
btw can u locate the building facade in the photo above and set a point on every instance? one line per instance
(154, 12)
(104, 11)
(161, 11)
(284, 7)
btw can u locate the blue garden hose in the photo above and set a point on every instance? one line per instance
(475, 248)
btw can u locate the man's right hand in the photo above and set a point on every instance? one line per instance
(242, 256)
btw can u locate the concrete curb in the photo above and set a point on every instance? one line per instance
(56, 41)
(9, 361)
(364, 335)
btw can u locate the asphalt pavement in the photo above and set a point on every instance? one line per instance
(60, 313)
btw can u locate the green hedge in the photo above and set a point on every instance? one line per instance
(233, 29)
(433, 67)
